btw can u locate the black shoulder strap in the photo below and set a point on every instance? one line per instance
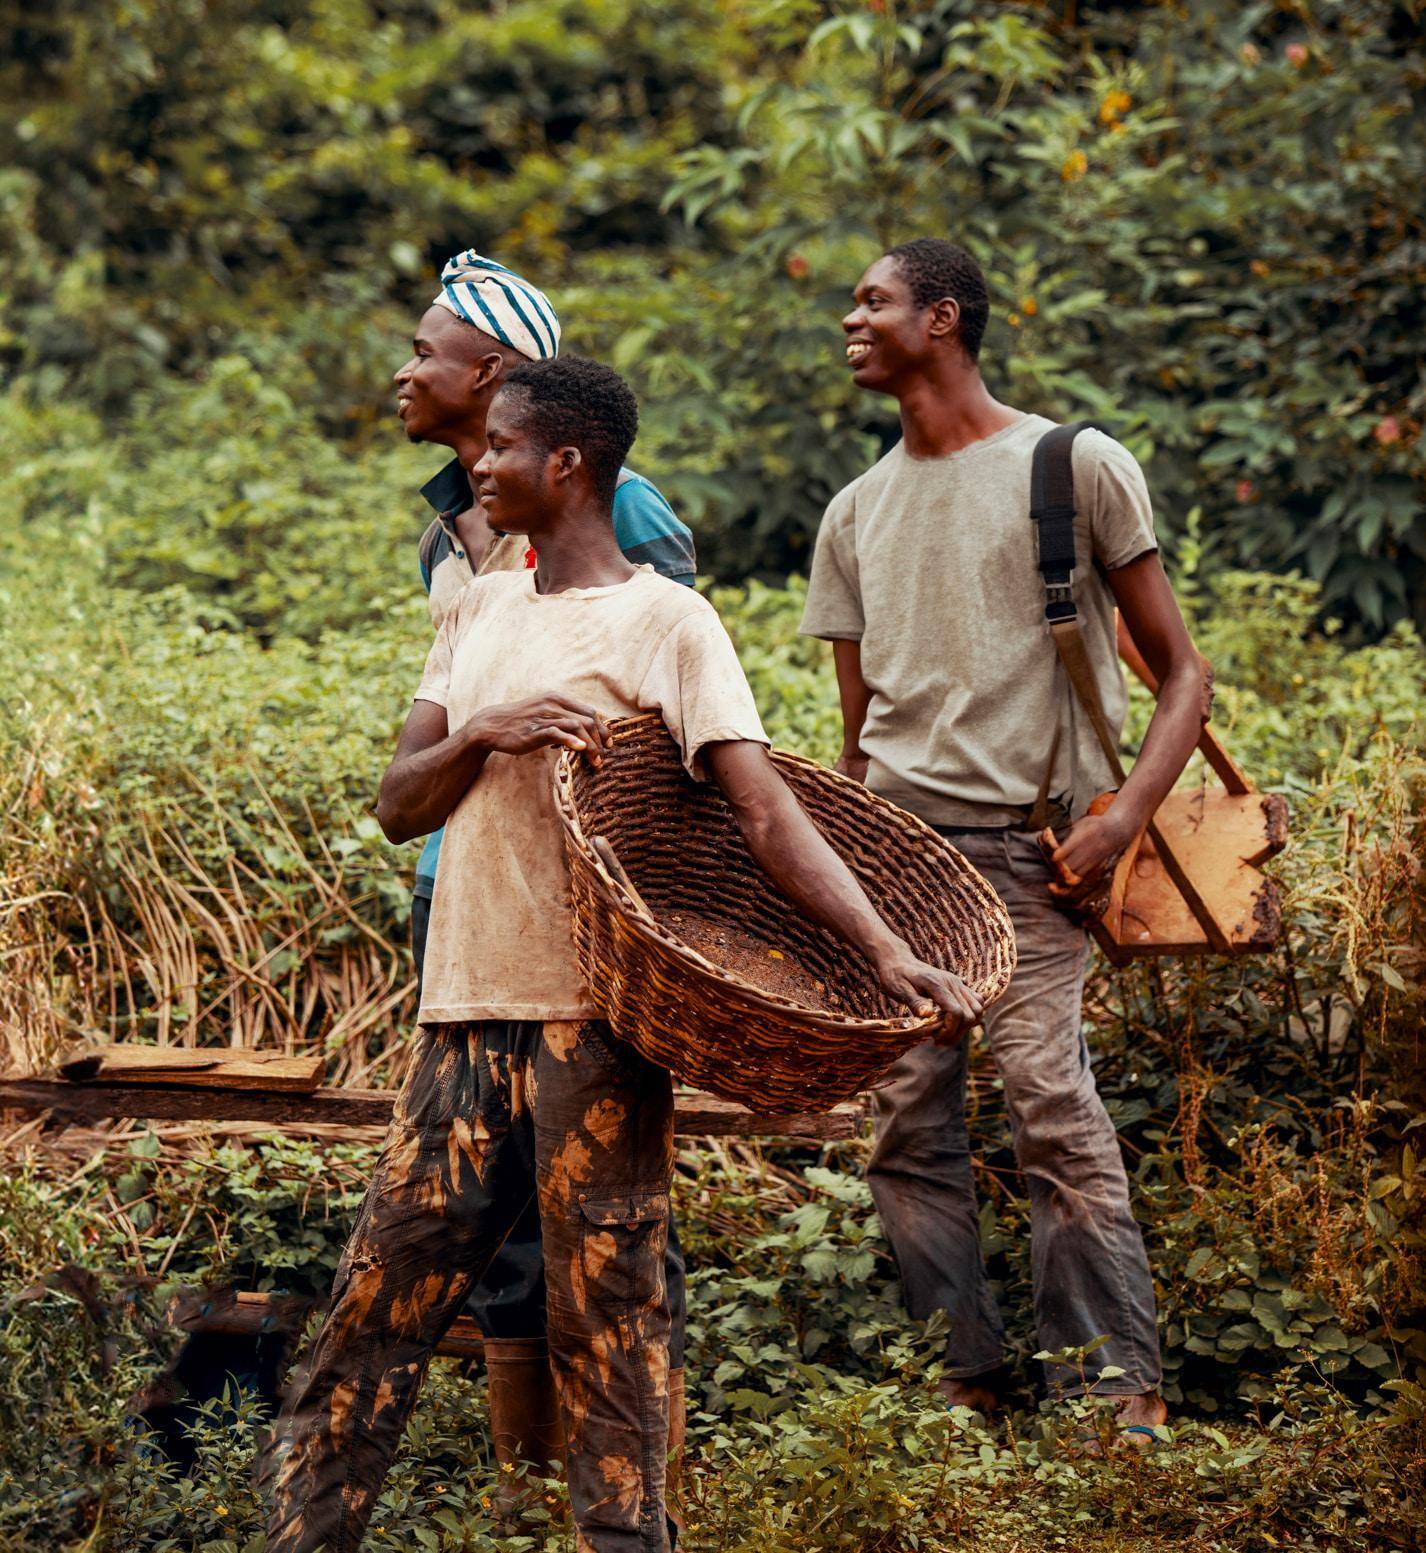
(1052, 511)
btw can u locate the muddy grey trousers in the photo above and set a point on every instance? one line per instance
(1090, 1273)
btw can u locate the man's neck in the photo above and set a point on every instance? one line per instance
(580, 551)
(948, 408)
(470, 447)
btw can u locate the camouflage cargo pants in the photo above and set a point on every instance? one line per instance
(485, 1107)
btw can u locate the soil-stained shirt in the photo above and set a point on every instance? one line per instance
(645, 529)
(931, 564)
(500, 942)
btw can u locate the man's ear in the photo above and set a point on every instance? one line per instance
(565, 462)
(486, 371)
(945, 318)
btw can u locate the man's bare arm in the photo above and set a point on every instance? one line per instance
(796, 857)
(855, 697)
(433, 769)
(1151, 615)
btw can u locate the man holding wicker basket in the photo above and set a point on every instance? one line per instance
(961, 704)
(516, 1076)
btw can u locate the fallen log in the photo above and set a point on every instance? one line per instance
(208, 1067)
(237, 1313)
(695, 1115)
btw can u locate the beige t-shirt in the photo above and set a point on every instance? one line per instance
(500, 944)
(931, 565)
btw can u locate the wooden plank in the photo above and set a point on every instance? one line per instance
(239, 1313)
(205, 1066)
(1220, 838)
(695, 1115)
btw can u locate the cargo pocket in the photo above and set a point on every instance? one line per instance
(622, 1245)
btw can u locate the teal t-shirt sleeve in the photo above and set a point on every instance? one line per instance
(648, 530)
(428, 861)
(431, 851)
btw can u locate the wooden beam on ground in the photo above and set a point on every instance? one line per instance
(695, 1115)
(207, 1067)
(237, 1313)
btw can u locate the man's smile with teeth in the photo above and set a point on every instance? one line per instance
(856, 349)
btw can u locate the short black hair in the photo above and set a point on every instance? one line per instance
(575, 402)
(935, 268)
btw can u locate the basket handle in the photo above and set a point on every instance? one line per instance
(609, 858)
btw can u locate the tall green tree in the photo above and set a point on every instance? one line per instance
(1201, 223)
(186, 174)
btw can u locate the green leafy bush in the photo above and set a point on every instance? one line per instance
(1199, 224)
(156, 754)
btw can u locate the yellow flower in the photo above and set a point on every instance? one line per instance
(1114, 106)
(1013, 320)
(1076, 166)
(1029, 306)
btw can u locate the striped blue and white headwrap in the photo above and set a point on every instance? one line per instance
(501, 303)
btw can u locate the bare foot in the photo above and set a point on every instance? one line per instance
(1134, 1415)
(972, 1392)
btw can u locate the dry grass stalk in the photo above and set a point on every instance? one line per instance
(158, 944)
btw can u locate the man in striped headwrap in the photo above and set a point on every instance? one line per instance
(485, 320)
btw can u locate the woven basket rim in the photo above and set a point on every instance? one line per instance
(654, 933)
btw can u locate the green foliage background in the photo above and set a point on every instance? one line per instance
(217, 221)
(1201, 222)
(1268, 1110)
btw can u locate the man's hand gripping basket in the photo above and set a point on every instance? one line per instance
(682, 856)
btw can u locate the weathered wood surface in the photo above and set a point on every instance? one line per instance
(1221, 839)
(205, 1066)
(238, 1313)
(695, 1115)
(1195, 884)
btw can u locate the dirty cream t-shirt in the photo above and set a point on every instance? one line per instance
(500, 944)
(930, 563)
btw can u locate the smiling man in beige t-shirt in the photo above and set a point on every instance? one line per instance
(926, 581)
(516, 1073)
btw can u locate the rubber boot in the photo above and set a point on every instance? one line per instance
(524, 1420)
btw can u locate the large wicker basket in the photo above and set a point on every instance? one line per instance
(677, 844)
